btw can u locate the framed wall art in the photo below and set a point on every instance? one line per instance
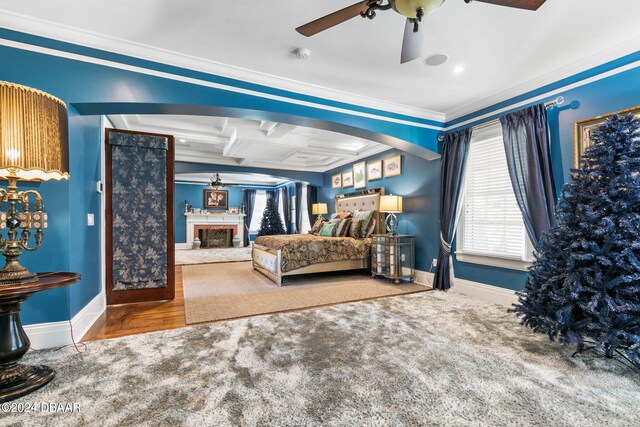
(359, 175)
(374, 170)
(216, 199)
(336, 181)
(347, 179)
(583, 129)
(393, 166)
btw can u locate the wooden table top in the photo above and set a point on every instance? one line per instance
(45, 281)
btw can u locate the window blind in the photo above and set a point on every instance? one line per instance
(491, 223)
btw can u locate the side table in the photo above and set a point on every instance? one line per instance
(18, 380)
(393, 256)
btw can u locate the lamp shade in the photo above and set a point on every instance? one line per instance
(391, 204)
(319, 209)
(34, 142)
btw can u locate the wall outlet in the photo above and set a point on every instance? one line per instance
(90, 220)
(434, 262)
(402, 257)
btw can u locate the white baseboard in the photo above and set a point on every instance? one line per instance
(181, 246)
(58, 334)
(480, 291)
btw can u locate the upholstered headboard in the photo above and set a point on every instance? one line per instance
(366, 202)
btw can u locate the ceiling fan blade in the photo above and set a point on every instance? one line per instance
(413, 42)
(520, 4)
(333, 19)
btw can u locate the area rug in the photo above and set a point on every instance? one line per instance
(211, 256)
(229, 291)
(429, 358)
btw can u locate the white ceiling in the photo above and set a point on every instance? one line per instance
(240, 142)
(245, 179)
(505, 51)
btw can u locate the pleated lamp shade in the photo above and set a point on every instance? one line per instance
(34, 142)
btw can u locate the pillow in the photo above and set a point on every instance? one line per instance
(370, 230)
(341, 215)
(355, 228)
(366, 217)
(343, 227)
(317, 226)
(327, 229)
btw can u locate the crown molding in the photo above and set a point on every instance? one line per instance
(566, 71)
(84, 38)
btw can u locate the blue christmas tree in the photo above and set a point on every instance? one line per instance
(584, 286)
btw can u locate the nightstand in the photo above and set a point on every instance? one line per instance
(393, 256)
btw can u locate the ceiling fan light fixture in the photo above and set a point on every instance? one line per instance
(409, 8)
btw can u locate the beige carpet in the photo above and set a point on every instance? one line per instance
(232, 290)
(211, 256)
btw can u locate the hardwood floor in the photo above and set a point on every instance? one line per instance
(138, 318)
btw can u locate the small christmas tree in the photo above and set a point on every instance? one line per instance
(271, 221)
(584, 286)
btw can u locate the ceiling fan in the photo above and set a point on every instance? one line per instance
(414, 10)
(216, 182)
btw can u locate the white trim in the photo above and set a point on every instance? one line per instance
(43, 28)
(599, 58)
(481, 291)
(541, 97)
(508, 263)
(58, 334)
(182, 246)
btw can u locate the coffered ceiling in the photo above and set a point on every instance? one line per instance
(503, 52)
(240, 142)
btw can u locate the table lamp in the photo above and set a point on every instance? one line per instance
(33, 147)
(319, 209)
(391, 205)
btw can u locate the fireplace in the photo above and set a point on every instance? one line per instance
(215, 236)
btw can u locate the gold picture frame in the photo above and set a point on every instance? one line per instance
(582, 131)
(336, 181)
(347, 179)
(393, 166)
(359, 175)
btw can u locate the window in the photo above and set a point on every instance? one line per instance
(305, 226)
(258, 210)
(491, 230)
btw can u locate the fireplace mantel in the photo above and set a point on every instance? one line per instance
(234, 220)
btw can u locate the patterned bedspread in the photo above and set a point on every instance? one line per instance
(302, 250)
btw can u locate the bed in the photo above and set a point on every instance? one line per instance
(291, 254)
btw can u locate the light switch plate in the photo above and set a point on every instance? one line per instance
(90, 220)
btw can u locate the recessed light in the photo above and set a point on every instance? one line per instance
(459, 69)
(436, 59)
(183, 140)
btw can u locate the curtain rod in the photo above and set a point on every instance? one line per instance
(549, 105)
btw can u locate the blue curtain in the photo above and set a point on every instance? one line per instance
(454, 157)
(286, 207)
(249, 204)
(312, 199)
(526, 142)
(298, 206)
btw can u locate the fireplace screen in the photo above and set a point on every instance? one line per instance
(216, 238)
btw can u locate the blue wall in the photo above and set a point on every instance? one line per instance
(614, 93)
(418, 185)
